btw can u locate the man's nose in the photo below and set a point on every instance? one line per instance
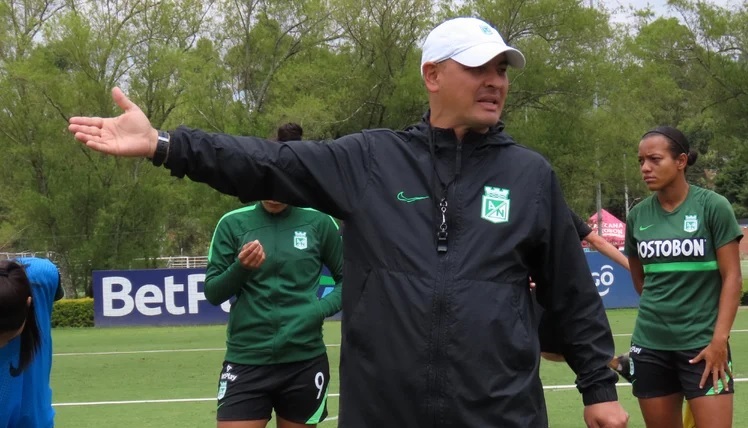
(494, 80)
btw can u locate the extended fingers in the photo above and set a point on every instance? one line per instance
(82, 121)
(84, 133)
(715, 379)
(725, 378)
(705, 375)
(724, 372)
(697, 359)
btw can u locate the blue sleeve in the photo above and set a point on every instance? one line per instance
(45, 280)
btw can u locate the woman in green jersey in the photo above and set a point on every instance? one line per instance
(269, 256)
(682, 244)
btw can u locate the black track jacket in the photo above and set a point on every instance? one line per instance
(433, 339)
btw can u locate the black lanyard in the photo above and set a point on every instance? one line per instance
(443, 204)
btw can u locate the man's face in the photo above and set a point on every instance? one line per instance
(473, 96)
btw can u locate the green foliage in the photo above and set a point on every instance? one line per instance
(73, 313)
(732, 182)
(589, 91)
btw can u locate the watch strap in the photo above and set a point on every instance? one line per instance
(162, 148)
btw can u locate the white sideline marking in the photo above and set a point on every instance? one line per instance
(153, 351)
(629, 334)
(192, 400)
(161, 351)
(619, 384)
(102, 403)
(170, 400)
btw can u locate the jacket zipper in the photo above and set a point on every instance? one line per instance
(440, 360)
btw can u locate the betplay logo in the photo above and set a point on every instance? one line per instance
(150, 299)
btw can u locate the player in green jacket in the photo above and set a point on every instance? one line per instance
(269, 256)
(682, 244)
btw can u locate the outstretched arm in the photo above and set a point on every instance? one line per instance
(631, 244)
(329, 176)
(602, 245)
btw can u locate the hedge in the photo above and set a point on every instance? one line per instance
(79, 312)
(73, 313)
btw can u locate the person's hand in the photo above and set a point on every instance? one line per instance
(715, 356)
(129, 134)
(252, 256)
(609, 414)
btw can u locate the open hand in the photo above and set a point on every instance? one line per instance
(717, 365)
(129, 134)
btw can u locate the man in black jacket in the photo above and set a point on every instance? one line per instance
(444, 223)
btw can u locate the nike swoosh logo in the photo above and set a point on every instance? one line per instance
(401, 197)
(645, 227)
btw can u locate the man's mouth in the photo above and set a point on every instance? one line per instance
(489, 100)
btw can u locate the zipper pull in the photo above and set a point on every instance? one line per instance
(441, 234)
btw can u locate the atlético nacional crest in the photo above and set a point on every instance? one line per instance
(691, 223)
(299, 240)
(495, 206)
(222, 389)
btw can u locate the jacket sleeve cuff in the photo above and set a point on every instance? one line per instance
(600, 394)
(326, 307)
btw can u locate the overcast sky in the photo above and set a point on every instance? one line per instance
(658, 6)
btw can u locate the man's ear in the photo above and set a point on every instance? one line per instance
(28, 301)
(431, 76)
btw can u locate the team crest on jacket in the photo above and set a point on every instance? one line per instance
(691, 223)
(299, 240)
(495, 206)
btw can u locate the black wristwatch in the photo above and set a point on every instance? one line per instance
(162, 148)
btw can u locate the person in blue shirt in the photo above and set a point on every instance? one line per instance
(28, 288)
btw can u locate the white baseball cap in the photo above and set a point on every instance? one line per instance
(469, 41)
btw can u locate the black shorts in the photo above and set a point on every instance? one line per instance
(661, 373)
(297, 391)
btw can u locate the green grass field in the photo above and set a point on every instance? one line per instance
(167, 376)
